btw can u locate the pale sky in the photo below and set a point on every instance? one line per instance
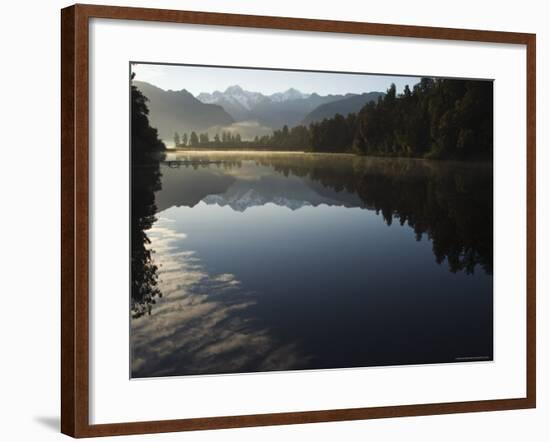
(197, 79)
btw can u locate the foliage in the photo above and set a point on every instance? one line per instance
(144, 138)
(438, 119)
(146, 152)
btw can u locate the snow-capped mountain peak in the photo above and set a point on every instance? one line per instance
(252, 198)
(289, 94)
(235, 89)
(249, 99)
(235, 95)
(273, 111)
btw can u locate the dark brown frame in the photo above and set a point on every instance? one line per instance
(74, 219)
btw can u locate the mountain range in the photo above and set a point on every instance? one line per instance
(275, 110)
(236, 109)
(171, 111)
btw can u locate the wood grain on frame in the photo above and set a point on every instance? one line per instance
(74, 219)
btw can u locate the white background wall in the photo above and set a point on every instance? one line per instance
(29, 219)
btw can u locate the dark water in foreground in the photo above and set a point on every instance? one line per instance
(306, 261)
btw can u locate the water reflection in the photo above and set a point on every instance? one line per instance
(293, 261)
(450, 202)
(145, 182)
(202, 326)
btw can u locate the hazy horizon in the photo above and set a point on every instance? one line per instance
(199, 79)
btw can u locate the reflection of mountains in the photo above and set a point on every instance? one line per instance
(189, 186)
(449, 202)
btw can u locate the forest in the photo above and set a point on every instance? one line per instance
(437, 119)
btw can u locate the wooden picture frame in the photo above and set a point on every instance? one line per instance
(75, 219)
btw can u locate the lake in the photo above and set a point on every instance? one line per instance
(263, 261)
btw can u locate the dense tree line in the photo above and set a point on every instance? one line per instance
(296, 138)
(227, 139)
(438, 118)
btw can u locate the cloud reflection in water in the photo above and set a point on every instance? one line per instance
(201, 325)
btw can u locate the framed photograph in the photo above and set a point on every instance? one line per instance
(272, 220)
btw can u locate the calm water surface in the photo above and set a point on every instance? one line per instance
(273, 261)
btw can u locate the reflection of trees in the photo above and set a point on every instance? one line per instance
(450, 202)
(146, 152)
(145, 180)
(452, 207)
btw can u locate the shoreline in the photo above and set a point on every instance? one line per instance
(254, 151)
(210, 151)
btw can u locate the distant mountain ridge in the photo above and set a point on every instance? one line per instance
(275, 110)
(236, 95)
(171, 111)
(238, 110)
(289, 94)
(345, 106)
